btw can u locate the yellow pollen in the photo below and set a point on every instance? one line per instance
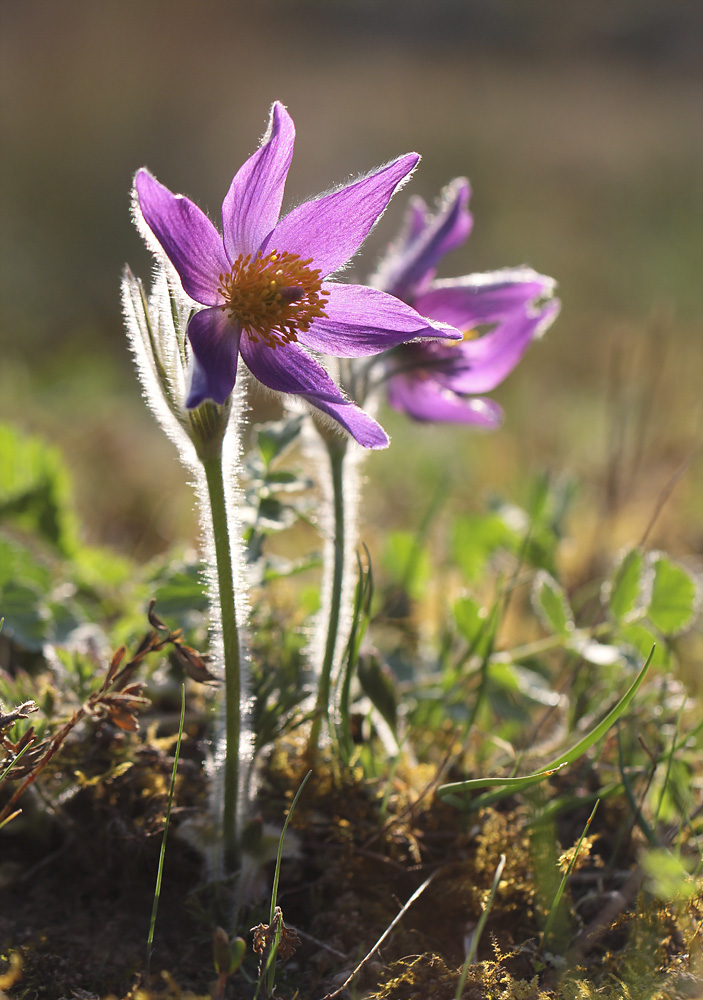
(466, 335)
(273, 297)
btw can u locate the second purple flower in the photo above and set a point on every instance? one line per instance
(444, 382)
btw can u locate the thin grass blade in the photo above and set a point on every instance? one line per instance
(473, 947)
(508, 785)
(562, 885)
(162, 855)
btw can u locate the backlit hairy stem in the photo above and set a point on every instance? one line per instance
(336, 448)
(231, 653)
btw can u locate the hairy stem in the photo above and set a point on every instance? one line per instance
(336, 450)
(230, 642)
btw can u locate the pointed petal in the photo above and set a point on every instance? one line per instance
(362, 321)
(485, 362)
(483, 298)
(215, 343)
(425, 400)
(363, 428)
(253, 203)
(288, 368)
(187, 236)
(412, 261)
(331, 228)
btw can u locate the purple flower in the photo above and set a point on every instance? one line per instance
(438, 381)
(264, 284)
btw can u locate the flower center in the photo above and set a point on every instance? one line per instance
(273, 297)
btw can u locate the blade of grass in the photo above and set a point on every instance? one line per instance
(476, 937)
(394, 922)
(360, 620)
(8, 819)
(669, 762)
(270, 968)
(162, 854)
(636, 807)
(279, 856)
(14, 761)
(508, 785)
(560, 891)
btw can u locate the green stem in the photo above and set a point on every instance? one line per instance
(336, 450)
(230, 641)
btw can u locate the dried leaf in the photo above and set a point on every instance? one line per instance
(21, 712)
(114, 665)
(154, 619)
(193, 663)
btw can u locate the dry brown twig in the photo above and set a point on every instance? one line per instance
(118, 699)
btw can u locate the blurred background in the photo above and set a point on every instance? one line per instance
(579, 126)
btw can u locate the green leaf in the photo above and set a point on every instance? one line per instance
(274, 437)
(640, 640)
(36, 489)
(101, 569)
(26, 618)
(476, 537)
(406, 563)
(378, 684)
(274, 515)
(180, 590)
(627, 589)
(551, 604)
(18, 564)
(668, 878)
(470, 619)
(675, 597)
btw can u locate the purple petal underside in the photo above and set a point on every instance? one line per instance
(363, 428)
(187, 236)
(425, 400)
(488, 360)
(331, 228)
(289, 368)
(412, 262)
(253, 203)
(215, 344)
(362, 321)
(482, 298)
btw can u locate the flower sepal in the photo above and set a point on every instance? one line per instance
(157, 324)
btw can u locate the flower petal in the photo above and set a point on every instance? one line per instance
(484, 363)
(187, 236)
(331, 228)
(482, 298)
(361, 321)
(412, 261)
(425, 400)
(215, 343)
(253, 203)
(288, 368)
(363, 428)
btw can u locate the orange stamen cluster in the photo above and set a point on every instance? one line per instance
(273, 297)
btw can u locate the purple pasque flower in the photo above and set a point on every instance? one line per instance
(263, 281)
(439, 381)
